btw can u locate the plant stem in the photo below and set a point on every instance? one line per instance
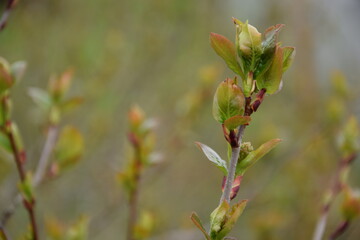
(19, 157)
(45, 154)
(340, 230)
(134, 194)
(334, 190)
(235, 151)
(3, 234)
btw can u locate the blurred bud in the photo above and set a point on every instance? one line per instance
(6, 80)
(229, 101)
(17, 139)
(5, 108)
(335, 110)
(26, 189)
(136, 116)
(79, 230)
(54, 228)
(59, 86)
(54, 115)
(348, 139)
(351, 204)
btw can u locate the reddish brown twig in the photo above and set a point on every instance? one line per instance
(19, 157)
(340, 230)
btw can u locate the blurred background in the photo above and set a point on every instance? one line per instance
(156, 53)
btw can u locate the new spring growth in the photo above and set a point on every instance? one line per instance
(260, 61)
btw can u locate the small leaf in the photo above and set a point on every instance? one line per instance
(196, 220)
(69, 148)
(288, 57)
(71, 104)
(213, 157)
(255, 155)
(226, 50)
(271, 79)
(5, 143)
(18, 70)
(234, 122)
(58, 87)
(351, 204)
(349, 137)
(229, 101)
(145, 225)
(40, 97)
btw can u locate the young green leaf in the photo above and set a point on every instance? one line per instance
(6, 81)
(226, 50)
(234, 122)
(26, 188)
(271, 79)
(196, 220)
(349, 137)
(255, 155)
(288, 57)
(217, 220)
(229, 101)
(213, 157)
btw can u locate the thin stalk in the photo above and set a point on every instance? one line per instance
(45, 154)
(3, 20)
(333, 191)
(235, 151)
(134, 195)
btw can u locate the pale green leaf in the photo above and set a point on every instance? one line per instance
(213, 157)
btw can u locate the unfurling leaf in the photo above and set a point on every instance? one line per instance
(236, 121)
(196, 220)
(69, 148)
(229, 101)
(226, 50)
(255, 155)
(217, 219)
(213, 157)
(40, 97)
(223, 219)
(250, 48)
(232, 216)
(351, 204)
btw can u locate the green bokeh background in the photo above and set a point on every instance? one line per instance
(153, 53)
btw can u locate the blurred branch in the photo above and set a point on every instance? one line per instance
(340, 230)
(9, 6)
(3, 234)
(334, 190)
(45, 154)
